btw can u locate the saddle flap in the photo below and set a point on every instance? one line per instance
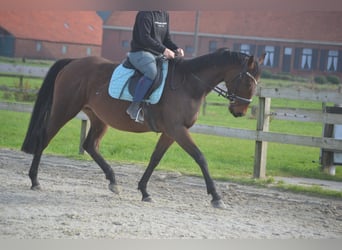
(118, 85)
(133, 80)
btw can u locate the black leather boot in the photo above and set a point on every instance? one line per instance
(135, 112)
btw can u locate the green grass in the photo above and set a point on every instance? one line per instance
(13, 82)
(30, 87)
(228, 158)
(311, 190)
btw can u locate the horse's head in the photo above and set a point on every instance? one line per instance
(243, 86)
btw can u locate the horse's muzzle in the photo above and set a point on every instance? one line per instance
(237, 111)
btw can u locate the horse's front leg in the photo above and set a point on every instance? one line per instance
(183, 138)
(163, 144)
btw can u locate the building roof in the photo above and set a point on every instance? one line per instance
(313, 26)
(317, 26)
(121, 18)
(83, 27)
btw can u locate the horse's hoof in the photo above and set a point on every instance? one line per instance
(36, 188)
(147, 199)
(218, 204)
(114, 188)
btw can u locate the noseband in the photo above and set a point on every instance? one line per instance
(233, 97)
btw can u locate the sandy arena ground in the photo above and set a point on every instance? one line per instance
(76, 203)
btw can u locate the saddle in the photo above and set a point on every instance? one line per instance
(133, 80)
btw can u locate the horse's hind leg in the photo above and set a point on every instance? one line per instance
(56, 122)
(33, 173)
(91, 146)
(51, 131)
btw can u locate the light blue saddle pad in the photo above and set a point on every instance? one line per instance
(118, 81)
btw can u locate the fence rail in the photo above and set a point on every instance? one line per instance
(320, 142)
(9, 69)
(301, 94)
(22, 71)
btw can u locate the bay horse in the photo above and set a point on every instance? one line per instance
(72, 85)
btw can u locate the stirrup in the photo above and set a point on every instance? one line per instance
(139, 115)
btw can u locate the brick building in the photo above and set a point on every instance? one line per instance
(304, 43)
(50, 34)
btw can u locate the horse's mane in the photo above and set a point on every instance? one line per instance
(220, 57)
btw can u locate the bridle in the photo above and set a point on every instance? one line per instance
(233, 97)
(224, 93)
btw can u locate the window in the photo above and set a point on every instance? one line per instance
(269, 58)
(306, 59)
(288, 51)
(245, 48)
(38, 46)
(332, 60)
(64, 49)
(287, 58)
(88, 51)
(212, 46)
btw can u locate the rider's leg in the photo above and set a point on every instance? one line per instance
(133, 110)
(145, 62)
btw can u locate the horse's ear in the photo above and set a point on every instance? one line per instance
(250, 62)
(261, 59)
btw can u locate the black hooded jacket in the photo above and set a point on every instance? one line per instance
(151, 32)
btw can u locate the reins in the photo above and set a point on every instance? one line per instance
(224, 93)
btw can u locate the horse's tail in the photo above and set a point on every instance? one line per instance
(36, 133)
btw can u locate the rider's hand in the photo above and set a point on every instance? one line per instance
(180, 52)
(169, 53)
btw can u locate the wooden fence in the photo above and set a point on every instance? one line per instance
(22, 71)
(261, 135)
(20, 107)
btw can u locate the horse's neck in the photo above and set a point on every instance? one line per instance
(205, 72)
(202, 81)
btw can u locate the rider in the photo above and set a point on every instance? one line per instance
(151, 38)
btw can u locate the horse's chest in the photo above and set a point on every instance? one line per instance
(191, 112)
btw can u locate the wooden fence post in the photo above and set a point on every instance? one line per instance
(263, 121)
(327, 156)
(83, 134)
(21, 83)
(327, 160)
